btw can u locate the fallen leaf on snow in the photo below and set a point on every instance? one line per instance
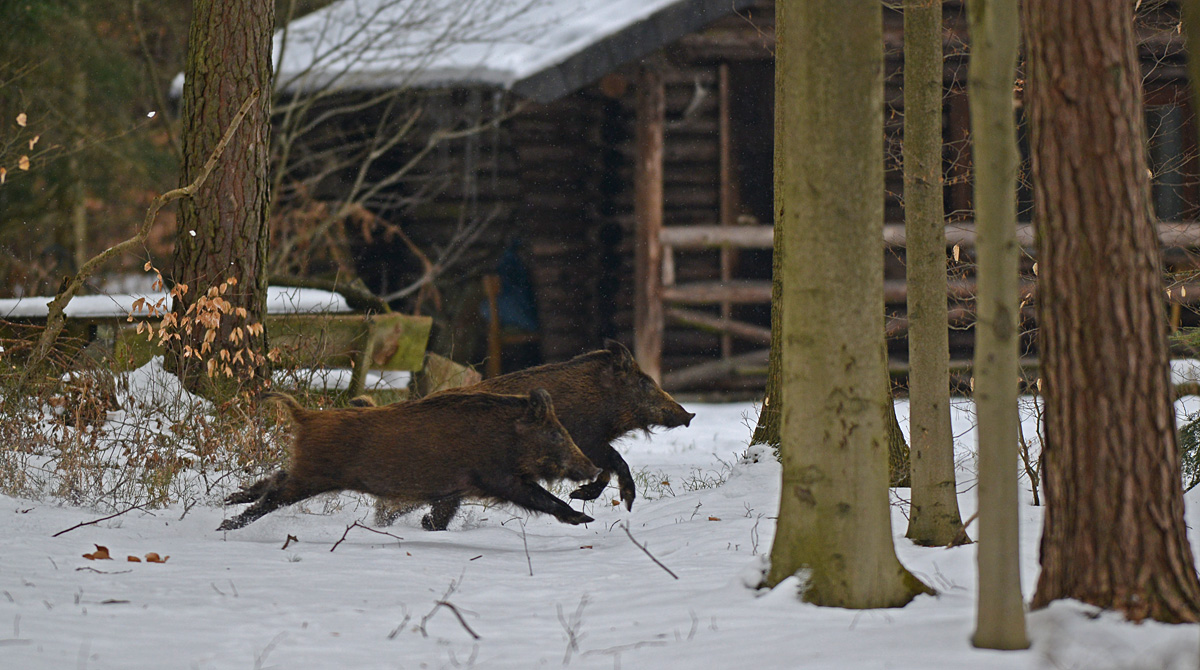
(101, 554)
(133, 559)
(154, 558)
(714, 518)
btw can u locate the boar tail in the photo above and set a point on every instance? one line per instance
(291, 404)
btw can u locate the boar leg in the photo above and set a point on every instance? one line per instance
(440, 514)
(592, 490)
(624, 480)
(533, 497)
(281, 492)
(611, 461)
(249, 494)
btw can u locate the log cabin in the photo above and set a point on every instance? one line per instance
(622, 180)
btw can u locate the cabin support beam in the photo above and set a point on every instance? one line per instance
(648, 221)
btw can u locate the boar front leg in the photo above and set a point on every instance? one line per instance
(533, 497)
(611, 461)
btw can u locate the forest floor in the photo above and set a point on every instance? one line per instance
(504, 590)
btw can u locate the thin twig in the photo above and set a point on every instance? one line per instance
(526, 544)
(105, 518)
(961, 538)
(450, 606)
(625, 527)
(358, 525)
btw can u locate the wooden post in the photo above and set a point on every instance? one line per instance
(728, 200)
(648, 217)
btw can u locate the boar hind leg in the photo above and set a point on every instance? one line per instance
(440, 514)
(625, 481)
(283, 492)
(533, 497)
(253, 492)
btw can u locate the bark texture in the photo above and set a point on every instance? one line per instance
(223, 227)
(933, 518)
(834, 528)
(1114, 532)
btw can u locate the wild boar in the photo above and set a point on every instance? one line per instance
(599, 396)
(444, 447)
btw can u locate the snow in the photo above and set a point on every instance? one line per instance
(280, 300)
(395, 43)
(240, 600)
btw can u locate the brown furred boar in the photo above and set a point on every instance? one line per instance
(599, 396)
(447, 446)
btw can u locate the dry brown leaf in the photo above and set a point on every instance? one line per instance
(586, 546)
(34, 141)
(23, 162)
(133, 559)
(3, 175)
(101, 554)
(615, 502)
(154, 558)
(714, 518)
(21, 119)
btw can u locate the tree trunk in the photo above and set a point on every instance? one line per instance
(1000, 613)
(223, 228)
(1114, 533)
(834, 527)
(933, 517)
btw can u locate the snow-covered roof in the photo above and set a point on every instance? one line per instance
(280, 300)
(541, 49)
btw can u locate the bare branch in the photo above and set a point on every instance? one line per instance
(96, 521)
(625, 527)
(55, 318)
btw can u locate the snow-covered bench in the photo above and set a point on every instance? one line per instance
(313, 329)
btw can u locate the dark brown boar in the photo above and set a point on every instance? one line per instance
(599, 396)
(444, 447)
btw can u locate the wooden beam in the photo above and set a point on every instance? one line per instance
(648, 217)
(717, 369)
(1184, 234)
(723, 324)
(728, 194)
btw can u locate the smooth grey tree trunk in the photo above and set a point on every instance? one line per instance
(834, 529)
(1000, 613)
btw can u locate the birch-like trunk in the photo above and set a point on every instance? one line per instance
(1000, 613)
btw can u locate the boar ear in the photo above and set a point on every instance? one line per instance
(540, 405)
(622, 360)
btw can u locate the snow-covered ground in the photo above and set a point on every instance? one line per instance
(531, 592)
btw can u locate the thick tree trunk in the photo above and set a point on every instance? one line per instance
(1000, 618)
(223, 228)
(1114, 532)
(834, 521)
(934, 518)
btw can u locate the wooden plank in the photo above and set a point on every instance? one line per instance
(739, 291)
(717, 369)
(648, 215)
(705, 236)
(722, 324)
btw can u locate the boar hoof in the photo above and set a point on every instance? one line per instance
(428, 524)
(578, 518)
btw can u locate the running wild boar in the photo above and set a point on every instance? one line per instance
(599, 396)
(444, 447)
